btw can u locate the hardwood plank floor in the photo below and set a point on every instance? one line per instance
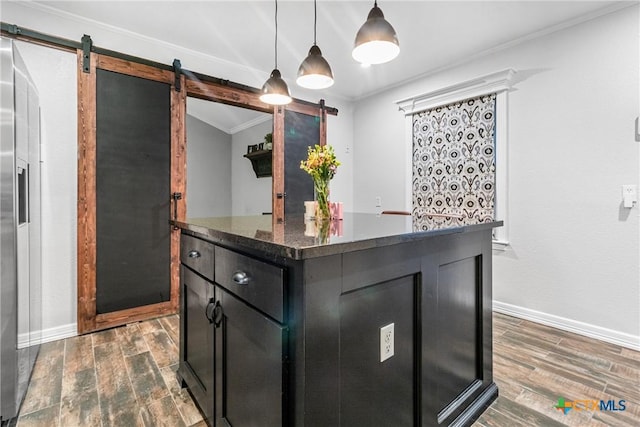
(126, 377)
(120, 377)
(535, 365)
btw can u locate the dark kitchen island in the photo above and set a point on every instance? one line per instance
(362, 322)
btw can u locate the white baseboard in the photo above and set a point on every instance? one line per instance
(47, 335)
(609, 335)
(592, 331)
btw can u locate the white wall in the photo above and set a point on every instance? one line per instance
(249, 195)
(574, 254)
(54, 74)
(340, 136)
(208, 170)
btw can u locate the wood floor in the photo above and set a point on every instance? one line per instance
(125, 377)
(534, 365)
(121, 377)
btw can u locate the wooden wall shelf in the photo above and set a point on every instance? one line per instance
(261, 161)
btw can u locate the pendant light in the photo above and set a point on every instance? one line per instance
(376, 41)
(315, 72)
(275, 90)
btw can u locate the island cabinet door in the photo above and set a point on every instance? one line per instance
(250, 360)
(196, 344)
(456, 333)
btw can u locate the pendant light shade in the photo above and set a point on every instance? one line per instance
(376, 41)
(315, 72)
(275, 90)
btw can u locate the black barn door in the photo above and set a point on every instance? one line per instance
(131, 160)
(133, 164)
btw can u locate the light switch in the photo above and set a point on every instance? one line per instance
(629, 195)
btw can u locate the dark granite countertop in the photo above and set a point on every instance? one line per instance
(300, 239)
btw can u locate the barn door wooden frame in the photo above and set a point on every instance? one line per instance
(88, 319)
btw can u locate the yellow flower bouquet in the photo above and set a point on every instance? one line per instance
(322, 165)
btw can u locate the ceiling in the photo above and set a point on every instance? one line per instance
(433, 34)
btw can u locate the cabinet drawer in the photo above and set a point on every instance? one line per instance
(258, 283)
(197, 254)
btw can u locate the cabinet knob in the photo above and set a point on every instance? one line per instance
(240, 278)
(194, 254)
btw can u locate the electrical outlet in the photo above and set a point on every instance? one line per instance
(386, 342)
(378, 201)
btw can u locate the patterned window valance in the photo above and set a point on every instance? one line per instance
(454, 164)
(497, 84)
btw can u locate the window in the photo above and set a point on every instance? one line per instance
(493, 86)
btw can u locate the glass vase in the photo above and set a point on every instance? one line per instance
(321, 191)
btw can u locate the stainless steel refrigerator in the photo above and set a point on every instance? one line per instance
(20, 233)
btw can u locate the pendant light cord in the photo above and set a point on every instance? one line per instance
(315, 21)
(276, 44)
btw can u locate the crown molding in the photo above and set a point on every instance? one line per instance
(250, 123)
(231, 131)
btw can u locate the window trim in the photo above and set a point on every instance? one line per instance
(499, 83)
